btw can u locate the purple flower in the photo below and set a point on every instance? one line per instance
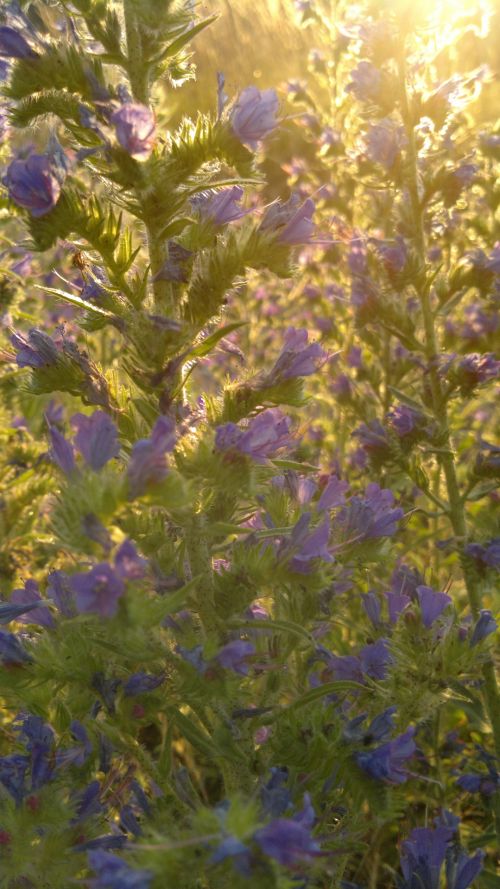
(307, 546)
(13, 45)
(59, 589)
(423, 855)
(397, 603)
(405, 420)
(220, 207)
(461, 871)
(176, 267)
(13, 775)
(333, 493)
(374, 440)
(38, 350)
(135, 129)
(300, 489)
(366, 82)
(34, 183)
(264, 436)
(432, 604)
(375, 658)
(147, 462)
(98, 591)
(394, 254)
(380, 727)
(474, 369)
(96, 438)
(78, 755)
(386, 763)
(193, 656)
(254, 115)
(12, 652)
(62, 451)
(384, 142)
(371, 605)
(31, 593)
(405, 580)
(140, 683)
(298, 357)
(9, 612)
(290, 221)
(113, 873)
(233, 656)
(479, 782)
(287, 841)
(274, 796)
(129, 565)
(485, 625)
(368, 517)
(39, 741)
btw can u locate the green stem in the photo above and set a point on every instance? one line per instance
(138, 73)
(456, 512)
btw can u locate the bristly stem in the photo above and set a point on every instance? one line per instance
(139, 83)
(456, 512)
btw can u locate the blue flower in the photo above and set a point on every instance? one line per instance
(129, 565)
(34, 183)
(422, 857)
(298, 357)
(147, 462)
(485, 625)
(375, 659)
(38, 350)
(432, 604)
(306, 546)
(290, 221)
(135, 129)
(461, 870)
(12, 652)
(13, 775)
(140, 683)
(287, 841)
(114, 873)
(254, 115)
(10, 612)
(233, 656)
(27, 595)
(96, 438)
(386, 763)
(366, 82)
(384, 142)
(274, 796)
(220, 207)
(39, 741)
(13, 45)
(266, 434)
(59, 589)
(62, 451)
(98, 590)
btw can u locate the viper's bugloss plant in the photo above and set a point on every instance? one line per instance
(249, 519)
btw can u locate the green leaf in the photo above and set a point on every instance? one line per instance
(287, 626)
(294, 464)
(409, 401)
(198, 738)
(173, 48)
(75, 300)
(329, 688)
(210, 341)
